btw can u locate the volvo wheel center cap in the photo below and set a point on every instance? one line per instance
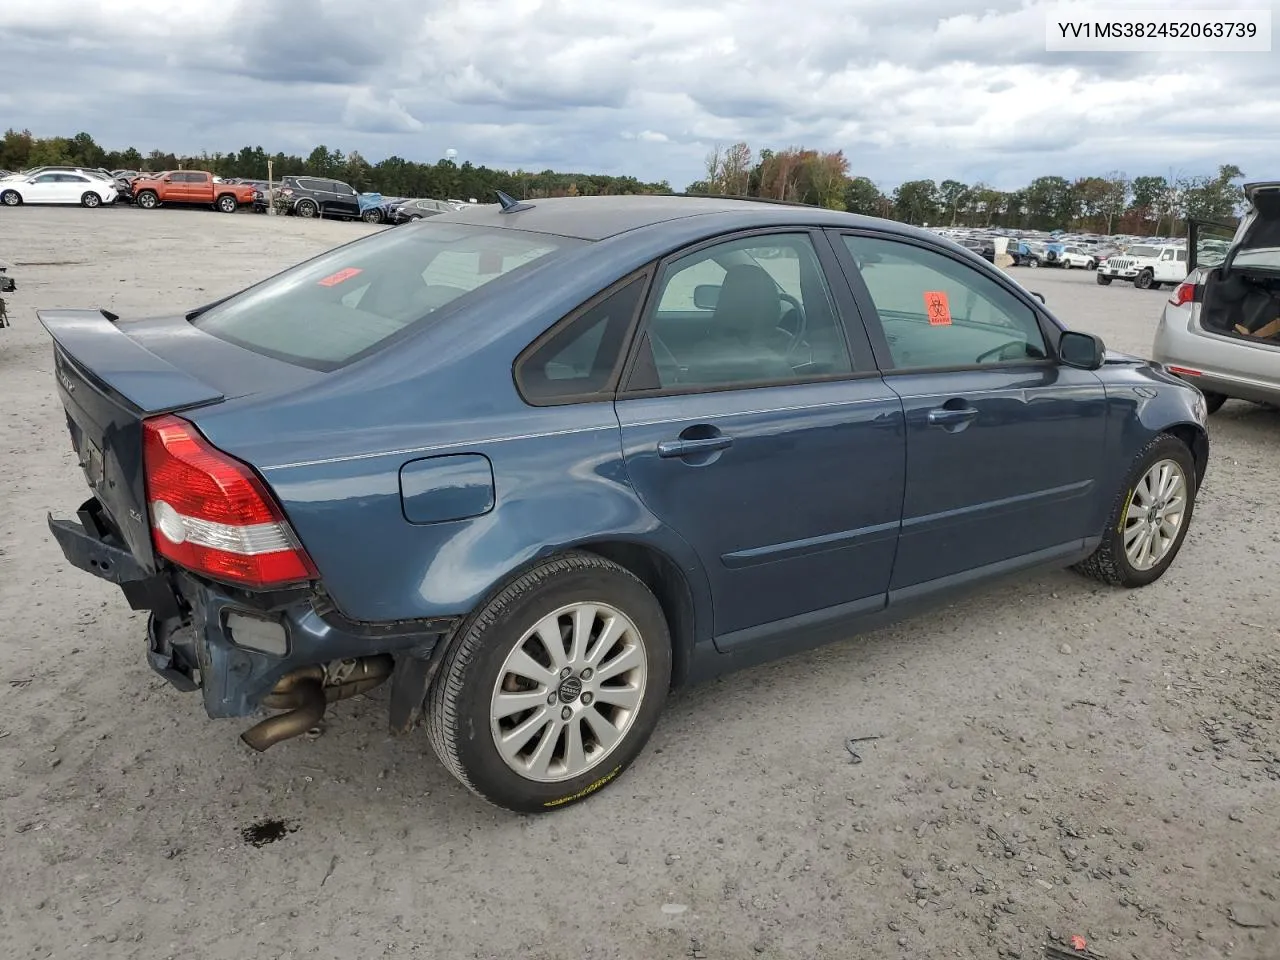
(570, 689)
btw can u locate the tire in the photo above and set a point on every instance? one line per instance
(371, 216)
(1091, 265)
(1213, 401)
(227, 203)
(1145, 280)
(306, 208)
(90, 200)
(147, 200)
(11, 198)
(1066, 264)
(461, 704)
(1033, 261)
(1110, 563)
(1103, 280)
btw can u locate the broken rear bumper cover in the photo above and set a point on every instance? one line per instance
(233, 645)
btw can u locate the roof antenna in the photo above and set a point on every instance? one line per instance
(510, 204)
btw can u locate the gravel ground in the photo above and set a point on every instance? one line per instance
(1055, 759)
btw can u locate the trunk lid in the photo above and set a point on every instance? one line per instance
(110, 376)
(1257, 241)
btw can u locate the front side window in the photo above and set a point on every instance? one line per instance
(345, 303)
(938, 312)
(745, 312)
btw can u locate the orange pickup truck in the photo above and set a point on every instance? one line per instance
(190, 186)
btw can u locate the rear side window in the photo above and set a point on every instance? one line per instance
(350, 301)
(576, 359)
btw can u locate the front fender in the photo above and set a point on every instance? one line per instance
(1145, 401)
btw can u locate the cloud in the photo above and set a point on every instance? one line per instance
(907, 88)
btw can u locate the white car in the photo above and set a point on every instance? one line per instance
(1077, 257)
(1147, 266)
(57, 187)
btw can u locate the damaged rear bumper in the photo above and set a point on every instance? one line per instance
(236, 647)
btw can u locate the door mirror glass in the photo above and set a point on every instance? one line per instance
(1081, 350)
(705, 296)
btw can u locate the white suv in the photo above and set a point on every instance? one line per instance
(1077, 257)
(1147, 266)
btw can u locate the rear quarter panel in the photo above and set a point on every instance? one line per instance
(559, 482)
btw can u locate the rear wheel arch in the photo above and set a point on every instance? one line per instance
(668, 583)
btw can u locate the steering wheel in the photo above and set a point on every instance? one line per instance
(802, 323)
(998, 352)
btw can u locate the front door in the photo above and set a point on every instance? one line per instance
(1004, 444)
(45, 188)
(343, 199)
(756, 426)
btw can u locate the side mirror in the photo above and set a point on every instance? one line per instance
(705, 296)
(1038, 296)
(168, 180)
(1083, 351)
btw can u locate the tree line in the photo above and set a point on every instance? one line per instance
(394, 176)
(1109, 203)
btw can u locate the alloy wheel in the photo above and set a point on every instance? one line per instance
(1154, 514)
(568, 692)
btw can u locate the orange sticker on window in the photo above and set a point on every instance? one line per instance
(939, 311)
(336, 278)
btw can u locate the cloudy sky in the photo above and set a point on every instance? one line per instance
(907, 88)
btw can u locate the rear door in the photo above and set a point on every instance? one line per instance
(198, 188)
(1004, 445)
(755, 424)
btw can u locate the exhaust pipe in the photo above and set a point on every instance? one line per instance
(305, 694)
(308, 693)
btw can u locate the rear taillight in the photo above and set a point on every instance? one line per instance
(1184, 371)
(1185, 293)
(211, 514)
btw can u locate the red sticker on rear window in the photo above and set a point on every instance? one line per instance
(336, 278)
(935, 302)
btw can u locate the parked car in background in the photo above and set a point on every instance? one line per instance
(541, 462)
(1075, 256)
(1104, 253)
(58, 187)
(1146, 266)
(191, 187)
(308, 197)
(1220, 329)
(379, 212)
(411, 210)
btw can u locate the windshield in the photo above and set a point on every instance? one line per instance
(1141, 251)
(346, 303)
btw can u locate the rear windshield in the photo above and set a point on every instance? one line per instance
(355, 299)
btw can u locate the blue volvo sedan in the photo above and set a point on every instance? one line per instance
(537, 464)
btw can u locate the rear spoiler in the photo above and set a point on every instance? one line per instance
(105, 353)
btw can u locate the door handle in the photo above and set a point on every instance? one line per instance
(689, 448)
(948, 417)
